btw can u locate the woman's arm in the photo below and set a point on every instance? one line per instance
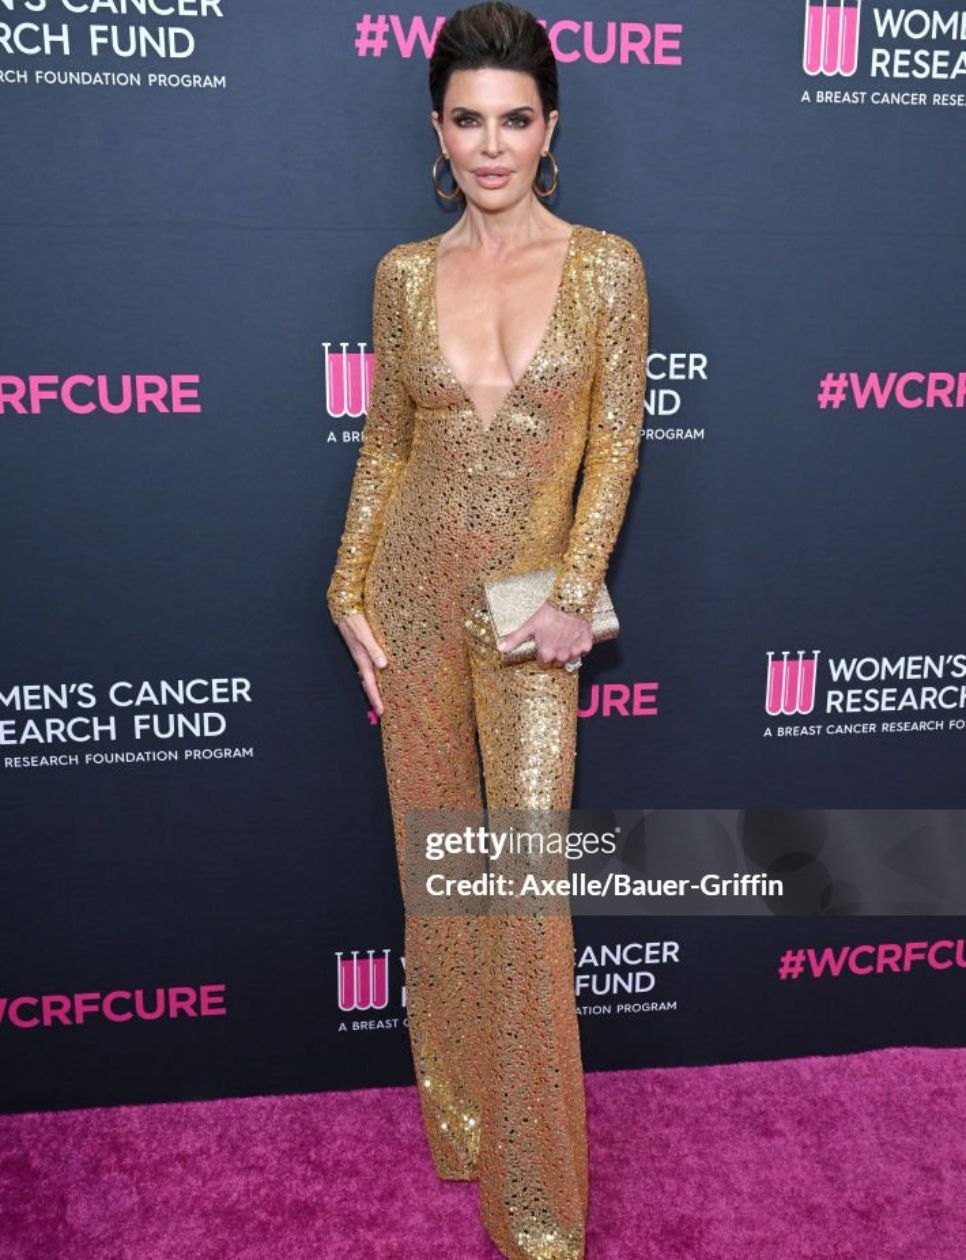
(616, 414)
(386, 438)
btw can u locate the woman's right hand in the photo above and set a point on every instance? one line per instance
(366, 653)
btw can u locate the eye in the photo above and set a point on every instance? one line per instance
(518, 121)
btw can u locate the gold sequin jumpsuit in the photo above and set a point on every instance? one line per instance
(440, 501)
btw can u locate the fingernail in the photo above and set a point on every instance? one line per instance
(501, 644)
(381, 662)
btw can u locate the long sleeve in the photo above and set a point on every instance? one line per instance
(384, 449)
(615, 424)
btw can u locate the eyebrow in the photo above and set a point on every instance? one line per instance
(517, 109)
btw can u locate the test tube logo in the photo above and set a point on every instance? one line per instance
(347, 380)
(790, 684)
(831, 36)
(363, 983)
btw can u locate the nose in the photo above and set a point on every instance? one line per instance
(491, 138)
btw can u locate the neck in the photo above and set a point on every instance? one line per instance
(501, 231)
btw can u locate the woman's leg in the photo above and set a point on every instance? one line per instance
(429, 747)
(533, 1158)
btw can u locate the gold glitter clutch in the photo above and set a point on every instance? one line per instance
(512, 599)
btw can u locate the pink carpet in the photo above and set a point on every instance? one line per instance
(860, 1157)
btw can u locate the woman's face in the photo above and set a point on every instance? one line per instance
(493, 120)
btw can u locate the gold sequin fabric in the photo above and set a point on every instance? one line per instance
(440, 501)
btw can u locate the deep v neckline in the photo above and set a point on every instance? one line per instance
(548, 329)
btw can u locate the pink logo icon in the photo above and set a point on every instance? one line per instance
(347, 380)
(363, 984)
(831, 36)
(790, 685)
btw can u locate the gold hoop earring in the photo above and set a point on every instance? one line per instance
(447, 196)
(545, 192)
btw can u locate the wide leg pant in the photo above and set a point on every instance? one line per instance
(490, 997)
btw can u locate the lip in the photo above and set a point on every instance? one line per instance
(491, 170)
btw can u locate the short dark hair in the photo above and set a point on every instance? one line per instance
(498, 35)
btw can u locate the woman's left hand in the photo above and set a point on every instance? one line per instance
(560, 636)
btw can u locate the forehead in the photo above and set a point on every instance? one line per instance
(490, 88)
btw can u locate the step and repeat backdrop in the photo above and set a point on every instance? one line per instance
(200, 895)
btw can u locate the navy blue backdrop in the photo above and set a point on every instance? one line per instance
(196, 840)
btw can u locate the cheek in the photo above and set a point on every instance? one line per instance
(529, 144)
(463, 143)
(459, 142)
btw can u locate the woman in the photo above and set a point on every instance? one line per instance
(510, 356)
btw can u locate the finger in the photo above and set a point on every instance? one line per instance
(516, 636)
(370, 643)
(371, 687)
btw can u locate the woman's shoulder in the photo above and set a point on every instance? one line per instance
(612, 249)
(398, 270)
(405, 255)
(615, 269)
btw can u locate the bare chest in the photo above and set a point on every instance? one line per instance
(493, 316)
